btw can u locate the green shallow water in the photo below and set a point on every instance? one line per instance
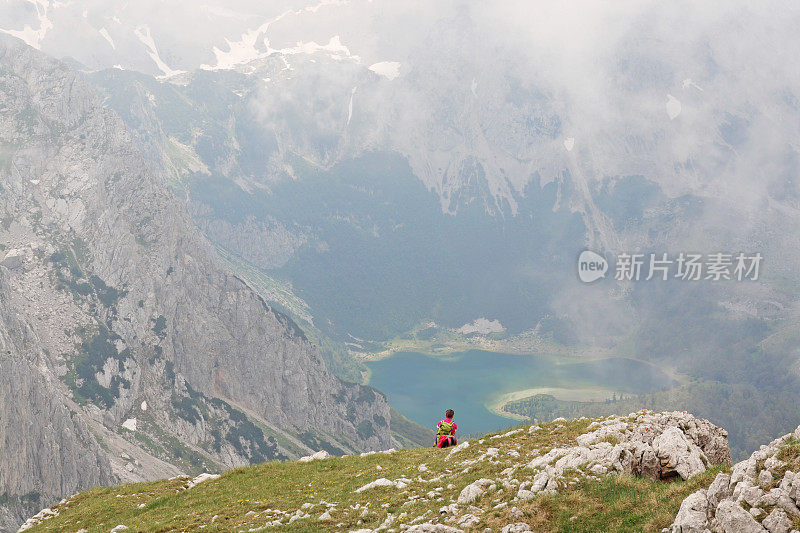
(422, 387)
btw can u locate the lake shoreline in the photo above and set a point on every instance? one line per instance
(567, 359)
(448, 341)
(477, 384)
(559, 393)
(586, 353)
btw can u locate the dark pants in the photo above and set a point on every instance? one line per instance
(445, 441)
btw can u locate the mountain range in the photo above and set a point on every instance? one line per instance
(128, 352)
(212, 216)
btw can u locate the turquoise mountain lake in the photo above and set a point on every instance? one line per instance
(422, 386)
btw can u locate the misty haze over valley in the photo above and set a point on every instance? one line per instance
(241, 231)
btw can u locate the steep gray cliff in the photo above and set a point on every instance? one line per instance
(127, 352)
(46, 450)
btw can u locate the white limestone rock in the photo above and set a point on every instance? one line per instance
(474, 490)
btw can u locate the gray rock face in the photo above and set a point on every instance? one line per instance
(692, 515)
(732, 518)
(676, 454)
(656, 445)
(763, 483)
(113, 310)
(46, 451)
(777, 522)
(473, 491)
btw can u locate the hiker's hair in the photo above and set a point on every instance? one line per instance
(449, 413)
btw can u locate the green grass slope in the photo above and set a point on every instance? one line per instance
(410, 434)
(323, 494)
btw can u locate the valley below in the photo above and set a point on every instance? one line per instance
(477, 384)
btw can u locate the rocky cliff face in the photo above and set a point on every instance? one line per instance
(760, 494)
(127, 352)
(46, 451)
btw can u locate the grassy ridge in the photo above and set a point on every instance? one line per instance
(249, 498)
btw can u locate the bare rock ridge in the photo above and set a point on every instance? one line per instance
(660, 446)
(761, 494)
(128, 353)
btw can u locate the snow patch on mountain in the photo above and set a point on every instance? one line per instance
(107, 37)
(688, 82)
(247, 48)
(673, 107)
(387, 69)
(334, 48)
(143, 33)
(31, 36)
(350, 105)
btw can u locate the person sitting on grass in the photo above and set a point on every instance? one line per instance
(446, 433)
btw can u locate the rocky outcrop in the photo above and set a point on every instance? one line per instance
(117, 320)
(474, 490)
(761, 494)
(660, 446)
